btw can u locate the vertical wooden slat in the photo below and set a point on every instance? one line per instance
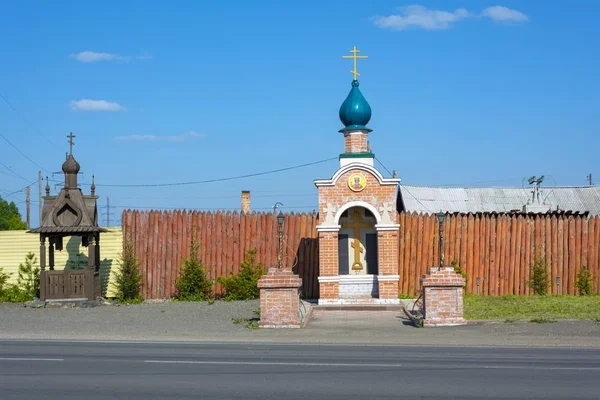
(408, 236)
(512, 253)
(470, 255)
(518, 220)
(502, 254)
(572, 255)
(413, 253)
(476, 255)
(592, 248)
(401, 251)
(493, 262)
(418, 250)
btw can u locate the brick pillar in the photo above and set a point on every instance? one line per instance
(279, 299)
(245, 202)
(443, 297)
(387, 246)
(355, 142)
(328, 266)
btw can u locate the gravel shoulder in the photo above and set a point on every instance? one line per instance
(172, 321)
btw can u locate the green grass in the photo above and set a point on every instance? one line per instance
(539, 309)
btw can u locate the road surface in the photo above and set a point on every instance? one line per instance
(128, 370)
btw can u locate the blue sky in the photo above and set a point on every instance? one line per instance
(466, 93)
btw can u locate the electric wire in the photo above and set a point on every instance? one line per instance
(384, 167)
(230, 178)
(27, 121)
(14, 172)
(21, 153)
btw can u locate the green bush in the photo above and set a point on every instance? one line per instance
(128, 280)
(192, 283)
(13, 294)
(3, 279)
(29, 276)
(539, 278)
(244, 285)
(583, 281)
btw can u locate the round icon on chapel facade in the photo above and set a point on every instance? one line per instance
(357, 182)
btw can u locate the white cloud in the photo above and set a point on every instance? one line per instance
(92, 56)
(95, 105)
(417, 16)
(504, 14)
(153, 138)
(420, 17)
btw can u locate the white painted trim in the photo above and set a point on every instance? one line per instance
(363, 204)
(387, 227)
(382, 181)
(388, 278)
(335, 278)
(328, 228)
(363, 132)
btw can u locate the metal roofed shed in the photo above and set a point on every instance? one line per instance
(428, 199)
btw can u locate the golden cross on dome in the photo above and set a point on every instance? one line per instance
(354, 51)
(71, 136)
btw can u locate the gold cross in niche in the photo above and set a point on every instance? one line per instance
(354, 51)
(71, 143)
(356, 225)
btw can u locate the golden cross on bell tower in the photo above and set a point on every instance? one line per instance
(71, 136)
(355, 57)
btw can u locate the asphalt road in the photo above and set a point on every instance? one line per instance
(111, 370)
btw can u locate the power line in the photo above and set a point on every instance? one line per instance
(23, 154)
(205, 208)
(384, 167)
(219, 179)
(27, 121)
(14, 173)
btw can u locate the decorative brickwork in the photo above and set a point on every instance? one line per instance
(443, 297)
(279, 299)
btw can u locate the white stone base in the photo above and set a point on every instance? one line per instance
(358, 287)
(371, 301)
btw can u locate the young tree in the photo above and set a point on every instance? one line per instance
(29, 276)
(10, 218)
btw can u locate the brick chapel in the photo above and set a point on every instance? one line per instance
(358, 228)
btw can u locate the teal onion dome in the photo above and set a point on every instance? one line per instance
(355, 111)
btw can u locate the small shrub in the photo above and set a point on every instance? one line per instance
(539, 278)
(3, 279)
(253, 325)
(257, 313)
(583, 281)
(13, 294)
(192, 283)
(458, 270)
(244, 285)
(128, 280)
(29, 276)
(211, 301)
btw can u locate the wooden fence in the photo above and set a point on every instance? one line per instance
(494, 250)
(162, 240)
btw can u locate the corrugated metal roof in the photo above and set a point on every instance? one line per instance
(14, 246)
(428, 199)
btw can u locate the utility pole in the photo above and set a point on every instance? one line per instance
(590, 179)
(28, 203)
(40, 195)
